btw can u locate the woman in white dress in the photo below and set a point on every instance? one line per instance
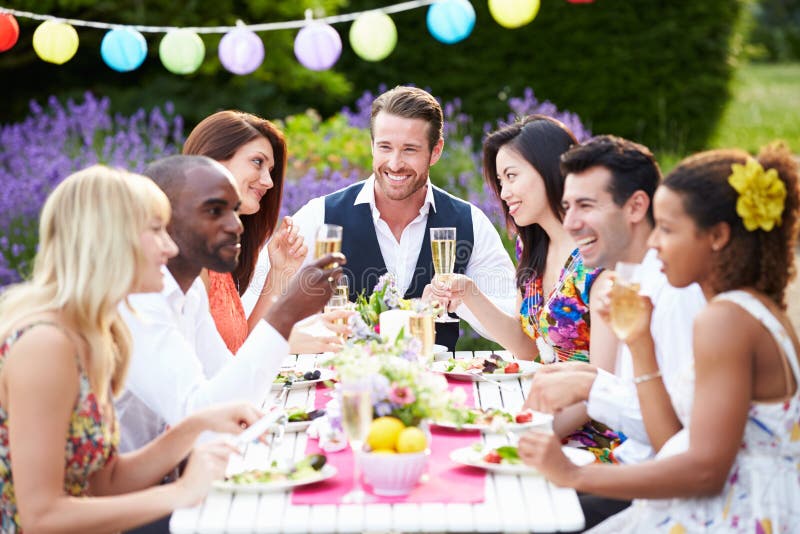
(729, 458)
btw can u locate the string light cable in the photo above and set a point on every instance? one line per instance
(263, 27)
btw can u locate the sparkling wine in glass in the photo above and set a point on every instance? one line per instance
(356, 420)
(343, 287)
(328, 240)
(626, 305)
(335, 303)
(443, 251)
(421, 326)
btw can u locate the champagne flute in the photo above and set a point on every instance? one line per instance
(343, 287)
(338, 302)
(328, 240)
(626, 305)
(443, 252)
(421, 326)
(356, 419)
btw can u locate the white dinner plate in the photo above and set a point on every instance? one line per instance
(438, 349)
(325, 473)
(297, 426)
(526, 368)
(542, 420)
(324, 374)
(473, 457)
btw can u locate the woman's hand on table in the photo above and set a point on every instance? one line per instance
(542, 450)
(286, 249)
(206, 464)
(230, 418)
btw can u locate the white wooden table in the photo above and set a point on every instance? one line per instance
(512, 504)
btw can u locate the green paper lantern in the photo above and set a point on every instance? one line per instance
(373, 36)
(513, 13)
(181, 51)
(55, 42)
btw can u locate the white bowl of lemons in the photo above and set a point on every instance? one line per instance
(395, 456)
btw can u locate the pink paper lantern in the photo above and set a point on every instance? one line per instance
(317, 46)
(9, 31)
(241, 51)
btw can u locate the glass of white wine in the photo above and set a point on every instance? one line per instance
(356, 419)
(626, 305)
(343, 287)
(328, 240)
(338, 303)
(443, 252)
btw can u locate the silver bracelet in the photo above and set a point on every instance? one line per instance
(644, 378)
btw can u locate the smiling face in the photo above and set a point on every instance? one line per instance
(598, 225)
(157, 247)
(401, 157)
(685, 251)
(205, 223)
(521, 188)
(252, 165)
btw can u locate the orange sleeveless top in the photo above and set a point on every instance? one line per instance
(226, 309)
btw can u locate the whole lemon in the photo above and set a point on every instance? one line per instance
(411, 439)
(383, 433)
(384, 451)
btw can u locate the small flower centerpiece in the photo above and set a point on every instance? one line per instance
(404, 397)
(386, 296)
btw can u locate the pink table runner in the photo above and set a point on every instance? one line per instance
(447, 482)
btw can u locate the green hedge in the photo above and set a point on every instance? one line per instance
(653, 70)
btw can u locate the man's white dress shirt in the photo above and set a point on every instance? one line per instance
(489, 266)
(180, 363)
(613, 399)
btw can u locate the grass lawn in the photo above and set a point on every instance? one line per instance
(765, 106)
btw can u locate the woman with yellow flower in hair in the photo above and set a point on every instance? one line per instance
(732, 464)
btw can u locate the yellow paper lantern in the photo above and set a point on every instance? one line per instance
(373, 36)
(513, 13)
(55, 42)
(181, 51)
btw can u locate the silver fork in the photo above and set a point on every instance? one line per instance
(479, 374)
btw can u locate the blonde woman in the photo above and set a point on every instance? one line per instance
(64, 354)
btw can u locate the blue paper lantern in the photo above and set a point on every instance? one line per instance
(317, 46)
(241, 51)
(451, 21)
(123, 49)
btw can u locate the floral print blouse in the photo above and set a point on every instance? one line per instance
(560, 325)
(90, 444)
(561, 320)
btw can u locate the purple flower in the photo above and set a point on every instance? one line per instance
(565, 309)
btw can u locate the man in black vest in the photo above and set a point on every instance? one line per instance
(387, 217)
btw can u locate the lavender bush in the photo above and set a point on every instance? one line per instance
(56, 140)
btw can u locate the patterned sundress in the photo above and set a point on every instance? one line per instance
(560, 326)
(762, 492)
(90, 444)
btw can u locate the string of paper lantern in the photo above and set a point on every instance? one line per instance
(317, 46)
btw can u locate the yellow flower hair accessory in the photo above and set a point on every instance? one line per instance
(762, 195)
